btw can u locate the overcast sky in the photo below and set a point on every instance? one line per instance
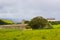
(27, 9)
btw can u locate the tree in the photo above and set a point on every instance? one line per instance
(26, 22)
(39, 22)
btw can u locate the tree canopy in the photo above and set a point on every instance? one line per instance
(39, 22)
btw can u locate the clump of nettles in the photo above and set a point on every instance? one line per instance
(15, 39)
(18, 35)
(43, 37)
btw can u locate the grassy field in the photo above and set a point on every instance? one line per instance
(56, 26)
(43, 34)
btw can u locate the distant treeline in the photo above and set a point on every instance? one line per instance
(54, 22)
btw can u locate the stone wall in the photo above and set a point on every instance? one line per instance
(15, 26)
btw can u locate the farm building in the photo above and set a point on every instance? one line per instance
(51, 19)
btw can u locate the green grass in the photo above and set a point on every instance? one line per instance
(43, 34)
(56, 26)
(7, 21)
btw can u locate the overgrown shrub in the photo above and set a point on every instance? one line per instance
(39, 22)
(28, 27)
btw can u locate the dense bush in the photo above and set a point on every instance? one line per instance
(28, 27)
(39, 22)
(26, 22)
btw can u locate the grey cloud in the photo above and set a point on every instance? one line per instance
(30, 8)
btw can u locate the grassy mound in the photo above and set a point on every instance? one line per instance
(3, 21)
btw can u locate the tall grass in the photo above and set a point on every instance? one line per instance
(43, 34)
